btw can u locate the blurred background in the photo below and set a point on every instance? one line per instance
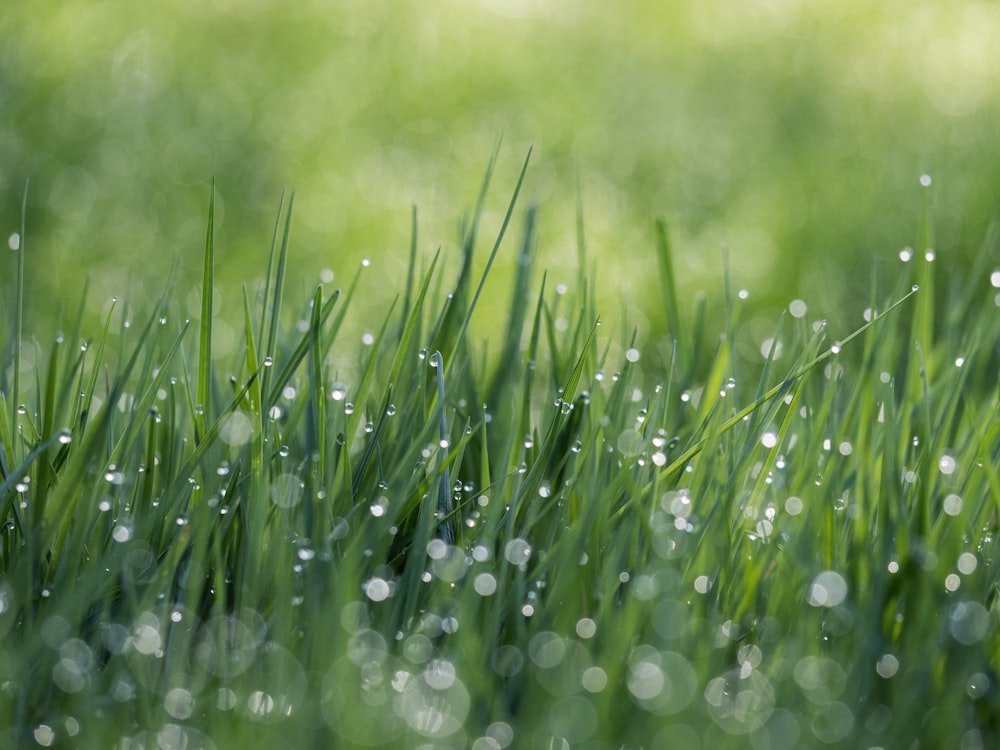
(789, 135)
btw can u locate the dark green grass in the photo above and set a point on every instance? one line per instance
(401, 539)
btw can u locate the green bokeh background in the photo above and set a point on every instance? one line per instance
(791, 135)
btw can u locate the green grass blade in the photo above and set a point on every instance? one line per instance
(203, 405)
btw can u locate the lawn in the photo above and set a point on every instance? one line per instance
(403, 540)
(677, 429)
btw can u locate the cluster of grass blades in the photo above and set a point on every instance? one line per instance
(406, 542)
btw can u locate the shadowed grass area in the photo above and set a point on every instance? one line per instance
(398, 539)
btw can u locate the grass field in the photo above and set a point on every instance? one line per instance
(385, 533)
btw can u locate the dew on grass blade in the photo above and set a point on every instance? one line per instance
(887, 666)
(485, 584)
(833, 724)
(967, 563)
(286, 490)
(952, 505)
(517, 551)
(828, 589)
(235, 429)
(947, 464)
(377, 589)
(978, 686)
(44, 735)
(179, 703)
(739, 705)
(546, 649)
(968, 622)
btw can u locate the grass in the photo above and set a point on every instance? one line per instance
(404, 539)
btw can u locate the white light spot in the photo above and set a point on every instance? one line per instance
(952, 505)
(485, 584)
(235, 429)
(632, 355)
(769, 439)
(887, 666)
(517, 551)
(585, 628)
(797, 308)
(925, 180)
(947, 464)
(377, 589)
(967, 563)
(828, 589)
(594, 679)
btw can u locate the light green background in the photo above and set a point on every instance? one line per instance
(791, 133)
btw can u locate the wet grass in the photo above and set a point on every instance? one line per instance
(378, 533)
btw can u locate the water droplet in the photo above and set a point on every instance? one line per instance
(348, 407)
(390, 410)
(925, 180)
(947, 464)
(517, 551)
(268, 361)
(369, 426)
(915, 288)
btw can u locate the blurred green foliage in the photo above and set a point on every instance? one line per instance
(791, 134)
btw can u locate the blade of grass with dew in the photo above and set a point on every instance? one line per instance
(778, 389)
(470, 309)
(408, 337)
(270, 342)
(18, 327)
(317, 388)
(668, 291)
(203, 405)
